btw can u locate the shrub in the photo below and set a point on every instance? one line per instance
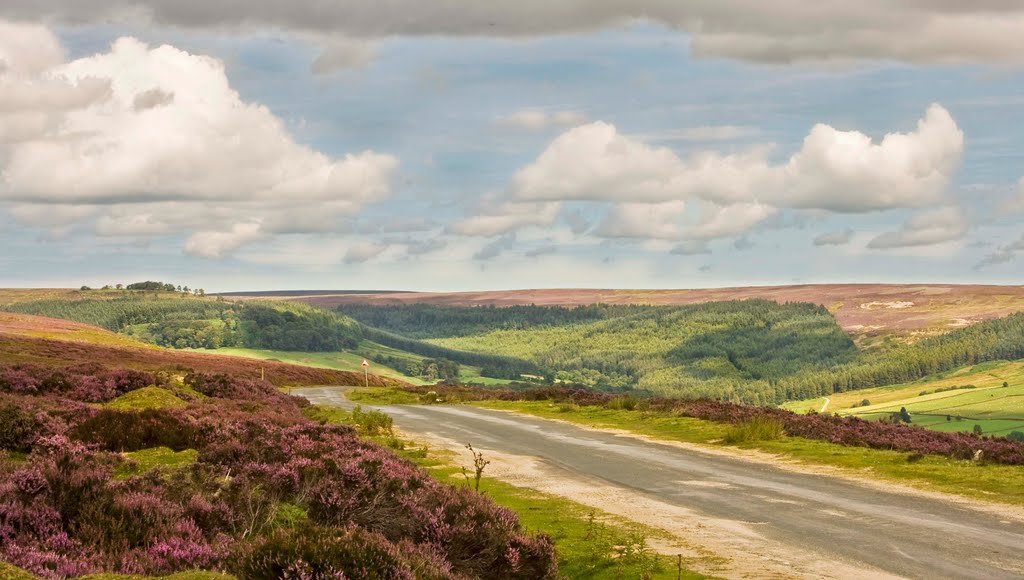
(756, 429)
(1016, 436)
(17, 428)
(115, 430)
(372, 422)
(317, 552)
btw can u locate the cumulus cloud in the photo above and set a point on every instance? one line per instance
(776, 31)
(926, 229)
(643, 220)
(505, 218)
(730, 220)
(220, 244)
(138, 129)
(1002, 254)
(536, 120)
(840, 171)
(834, 238)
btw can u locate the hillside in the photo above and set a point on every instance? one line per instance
(988, 395)
(48, 341)
(868, 312)
(112, 470)
(756, 351)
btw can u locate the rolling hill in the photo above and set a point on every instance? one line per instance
(869, 313)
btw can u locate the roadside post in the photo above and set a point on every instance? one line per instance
(366, 373)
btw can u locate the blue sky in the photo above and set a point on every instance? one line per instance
(476, 159)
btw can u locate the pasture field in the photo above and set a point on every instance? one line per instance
(943, 402)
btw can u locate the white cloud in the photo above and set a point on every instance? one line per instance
(138, 127)
(840, 171)
(505, 218)
(730, 220)
(926, 229)
(643, 220)
(845, 171)
(537, 120)
(834, 238)
(220, 244)
(595, 162)
(777, 31)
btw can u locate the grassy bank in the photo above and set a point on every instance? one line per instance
(998, 483)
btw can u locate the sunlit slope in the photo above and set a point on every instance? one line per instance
(952, 401)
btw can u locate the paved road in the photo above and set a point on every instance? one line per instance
(905, 535)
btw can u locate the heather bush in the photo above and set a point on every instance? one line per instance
(116, 430)
(320, 552)
(17, 428)
(270, 493)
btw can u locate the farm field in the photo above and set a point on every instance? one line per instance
(940, 401)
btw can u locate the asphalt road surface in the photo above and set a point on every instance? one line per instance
(902, 534)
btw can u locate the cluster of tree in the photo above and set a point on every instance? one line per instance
(150, 286)
(424, 321)
(290, 326)
(430, 369)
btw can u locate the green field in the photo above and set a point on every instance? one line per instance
(942, 402)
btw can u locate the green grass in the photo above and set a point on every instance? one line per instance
(931, 400)
(589, 543)
(998, 483)
(155, 458)
(147, 398)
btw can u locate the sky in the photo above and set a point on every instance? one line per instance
(449, 145)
